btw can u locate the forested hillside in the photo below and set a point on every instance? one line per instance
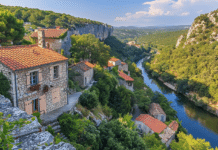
(194, 64)
(47, 18)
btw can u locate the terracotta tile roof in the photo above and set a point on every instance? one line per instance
(83, 65)
(174, 125)
(125, 77)
(109, 64)
(156, 109)
(89, 64)
(21, 57)
(50, 33)
(114, 59)
(153, 123)
(123, 63)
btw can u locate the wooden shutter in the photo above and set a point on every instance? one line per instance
(40, 76)
(56, 95)
(28, 80)
(32, 106)
(60, 71)
(42, 104)
(51, 73)
(37, 103)
(28, 107)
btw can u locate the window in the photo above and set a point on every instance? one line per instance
(162, 118)
(56, 72)
(35, 105)
(129, 83)
(34, 78)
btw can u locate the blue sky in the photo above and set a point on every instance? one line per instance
(126, 12)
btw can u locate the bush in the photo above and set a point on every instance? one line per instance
(50, 130)
(71, 84)
(89, 99)
(4, 86)
(37, 114)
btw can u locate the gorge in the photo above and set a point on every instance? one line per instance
(198, 122)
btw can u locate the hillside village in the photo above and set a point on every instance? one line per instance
(67, 91)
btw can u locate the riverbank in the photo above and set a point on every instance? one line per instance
(191, 96)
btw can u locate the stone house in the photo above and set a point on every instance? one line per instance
(169, 133)
(148, 124)
(157, 112)
(38, 76)
(55, 39)
(126, 80)
(117, 62)
(86, 72)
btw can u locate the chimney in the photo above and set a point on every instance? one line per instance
(128, 73)
(58, 27)
(41, 38)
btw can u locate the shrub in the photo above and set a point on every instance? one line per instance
(88, 99)
(57, 139)
(50, 130)
(71, 84)
(107, 110)
(37, 114)
(4, 86)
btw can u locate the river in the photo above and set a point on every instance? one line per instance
(197, 121)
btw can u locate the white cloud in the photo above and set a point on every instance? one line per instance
(185, 14)
(171, 8)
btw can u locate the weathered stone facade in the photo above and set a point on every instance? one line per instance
(127, 84)
(86, 74)
(143, 128)
(45, 77)
(123, 66)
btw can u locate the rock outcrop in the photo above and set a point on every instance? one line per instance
(30, 134)
(179, 40)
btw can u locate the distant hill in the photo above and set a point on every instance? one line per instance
(166, 28)
(194, 63)
(47, 18)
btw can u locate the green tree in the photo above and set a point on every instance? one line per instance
(4, 86)
(153, 142)
(11, 29)
(87, 46)
(189, 143)
(89, 99)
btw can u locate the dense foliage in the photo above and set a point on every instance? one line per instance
(87, 46)
(47, 18)
(88, 99)
(123, 51)
(187, 142)
(11, 28)
(4, 86)
(153, 142)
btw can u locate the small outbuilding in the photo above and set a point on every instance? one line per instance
(157, 112)
(148, 124)
(85, 71)
(126, 80)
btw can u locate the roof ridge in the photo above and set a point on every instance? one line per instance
(17, 46)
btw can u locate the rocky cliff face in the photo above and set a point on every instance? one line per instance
(203, 29)
(100, 31)
(31, 135)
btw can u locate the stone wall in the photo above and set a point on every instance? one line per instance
(30, 136)
(123, 67)
(55, 44)
(141, 126)
(45, 78)
(124, 83)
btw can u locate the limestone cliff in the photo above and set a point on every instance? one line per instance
(31, 135)
(203, 29)
(100, 31)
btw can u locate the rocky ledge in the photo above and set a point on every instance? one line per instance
(30, 135)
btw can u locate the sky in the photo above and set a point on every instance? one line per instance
(139, 13)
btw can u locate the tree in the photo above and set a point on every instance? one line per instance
(153, 142)
(6, 127)
(189, 143)
(87, 46)
(115, 136)
(88, 99)
(11, 29)
(4, 86)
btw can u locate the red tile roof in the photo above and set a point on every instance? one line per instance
(114, 59)
(89, 64)
(21, 57)
(109, 64)
(50, 33)
(156, 109)
(125, 77)
(153, 123)
(174, 125)
(123, 63)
